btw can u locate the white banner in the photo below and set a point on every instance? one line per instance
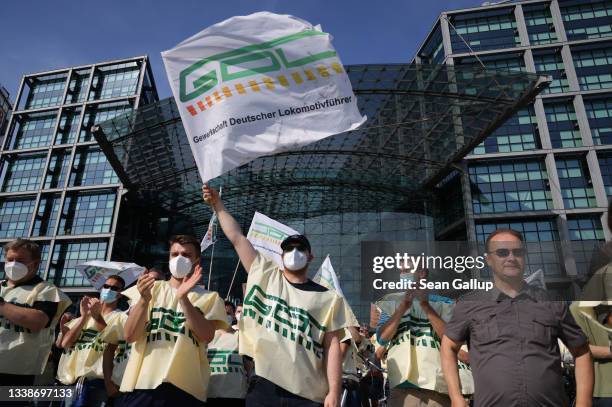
(258, 85)
(266, 235)
(327, 277)
(209, 237)
(98, 271)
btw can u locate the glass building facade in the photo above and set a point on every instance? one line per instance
(5, 109)
(56, 185)
(547, 171)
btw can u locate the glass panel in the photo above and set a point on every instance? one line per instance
(45, 91)
(15, 216)
(66, 255)
(562, 124)
(78, 86)
(87, 213)
(491, 29)
(23, 172)
(91, 168)
(519, 133)
(58, 168)
(68, 126)
(575, 183)
(100, 113)
(587, 20)
(539, 23)
(48, 208)
(506, 186)
(593, 67)
(551, 63)
(34, 130)
(599, 113)
(114, 81)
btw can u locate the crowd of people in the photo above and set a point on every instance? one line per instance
(293, 342)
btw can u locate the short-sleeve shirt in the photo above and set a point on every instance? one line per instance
(23, 352)
(283, 328)
(84, 357)
(514, 352)
(169, 351)
(115, 335)
(228, 377)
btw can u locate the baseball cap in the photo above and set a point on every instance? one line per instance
(295, 240)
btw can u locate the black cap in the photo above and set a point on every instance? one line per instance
(297, 240)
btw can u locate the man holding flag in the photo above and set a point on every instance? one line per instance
(290, 325)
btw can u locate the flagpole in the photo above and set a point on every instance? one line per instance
(232, 282)
(212, 252)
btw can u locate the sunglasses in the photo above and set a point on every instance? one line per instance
(300, 247)
(506, 252)
(112, 287)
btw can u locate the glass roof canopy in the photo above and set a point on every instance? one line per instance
(422, 119)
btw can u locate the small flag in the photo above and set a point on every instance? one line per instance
(209, 238)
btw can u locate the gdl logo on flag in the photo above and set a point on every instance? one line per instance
(290, 60)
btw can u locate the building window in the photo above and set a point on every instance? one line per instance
(66, 256)
(45, 91)
(58, 168)
(87, 213)
(509, 187)
(433, 50)
(542, 241)
(68, 126)
(586, 235)
(99, 113)
(15, 216)
(550, 62)
(46, 216)
(34, 130)
(78, 86)
(23, 172)
(91, 168)
(502, 62)
(605, 165)
(562, 124)
(114, 81)
(519, 133)
(599, 113)
(491, 29)
(587, 20)
(593, 67)
(575, 182)
(539, 23)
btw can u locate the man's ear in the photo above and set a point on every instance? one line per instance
(310, 257)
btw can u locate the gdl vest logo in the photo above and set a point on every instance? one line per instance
(252, 67)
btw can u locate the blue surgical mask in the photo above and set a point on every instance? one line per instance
(107, 295)
(407, 277)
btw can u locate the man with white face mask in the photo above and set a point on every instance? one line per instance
(290, 325)
(170, 324)
(81, 361)
(29, 311)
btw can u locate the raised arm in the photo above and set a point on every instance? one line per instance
(70, 336)
(139, 313)
(231, 228)
(389, 328)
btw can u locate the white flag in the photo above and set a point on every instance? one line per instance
(209, 237)
(258, 85)
(266, 235)
(97, 271)
(326, 276)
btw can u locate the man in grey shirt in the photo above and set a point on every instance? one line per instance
(512, 333)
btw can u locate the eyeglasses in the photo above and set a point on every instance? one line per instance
(520, 252)
(112, 287)
(299, 247)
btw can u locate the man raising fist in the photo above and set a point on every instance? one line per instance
(170, 324)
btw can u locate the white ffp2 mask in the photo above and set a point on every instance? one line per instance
(15, 271)
(295, 260)
(180, 266)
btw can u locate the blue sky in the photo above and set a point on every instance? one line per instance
(44, 35)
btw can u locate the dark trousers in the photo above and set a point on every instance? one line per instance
(351, 393)
(224, 402)
(264, 393)
(163, 395)
(92, 394)
(602, 401)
